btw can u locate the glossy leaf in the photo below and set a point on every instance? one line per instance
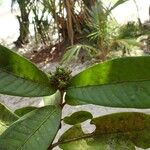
(22, 111)
(75, 139)
(20, 77)
(6, 118)
(78, 117)
(34, 131)
(74, 102)
(120, 131)
(122, 82)
(54, 99)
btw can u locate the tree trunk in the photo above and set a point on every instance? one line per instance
(24, 24)
(89, 3)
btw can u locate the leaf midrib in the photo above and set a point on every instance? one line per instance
(3, 124)
(26, 79)
(37, 129)
(92, 135)
(108, 84)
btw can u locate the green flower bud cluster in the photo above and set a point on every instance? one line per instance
(60, 78)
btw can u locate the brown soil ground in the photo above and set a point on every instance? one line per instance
(47, 54)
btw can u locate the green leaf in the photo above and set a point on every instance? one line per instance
(119, 2)
(119, 131)
(34, 131)
(133, 125)
(20, 77)
(22, 111)
(78, 117)
(6, 118)
(76, 139)
(122, 82)
(73, 51)
(73, 102)
(54, 99)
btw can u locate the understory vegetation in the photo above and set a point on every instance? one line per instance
(80, 29)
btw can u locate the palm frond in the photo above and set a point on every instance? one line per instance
(74, 51)
(119, 2)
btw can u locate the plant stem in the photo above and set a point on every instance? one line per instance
(61, 106)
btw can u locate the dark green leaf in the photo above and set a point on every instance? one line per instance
(6, 118)
(22, 111)
(34, 131)
(78, 117)
(135, 126)
(120, 131)
(75, 139)
(73, 102)
(20, 77)
(122, 82)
